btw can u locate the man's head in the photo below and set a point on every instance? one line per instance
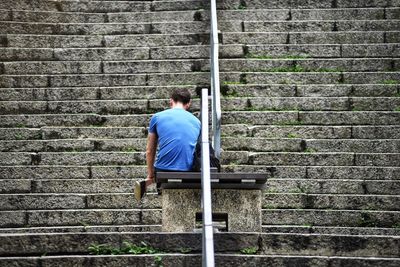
(180, 98)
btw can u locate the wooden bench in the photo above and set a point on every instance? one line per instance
(236, 200)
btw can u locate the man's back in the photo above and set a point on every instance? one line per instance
(177, 131)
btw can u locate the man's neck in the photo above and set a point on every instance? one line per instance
(178, 105)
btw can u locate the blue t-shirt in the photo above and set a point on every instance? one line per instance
(177, 131)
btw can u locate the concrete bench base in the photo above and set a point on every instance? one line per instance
(241, 207)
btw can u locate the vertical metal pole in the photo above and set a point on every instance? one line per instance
(215, 86)
(207, 238)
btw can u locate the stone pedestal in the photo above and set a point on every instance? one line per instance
(243, 209)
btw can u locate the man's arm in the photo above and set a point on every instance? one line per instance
(151, 154)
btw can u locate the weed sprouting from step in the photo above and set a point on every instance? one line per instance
(391, 82)
(291, 135)
(397, 109)
(103, 249)
(185, 250)
(310, 150)
(20, 125)
(130, 149)
(396, 225)
(249, 250)
(158, 261)
(127, 248)
(18, 136)
(242, 5)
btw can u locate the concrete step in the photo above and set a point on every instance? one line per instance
(72, 158)
(321, 245)
(228, 260)
(115, 54)
(328, 201)
(78, 172)
(317, 65)
(104, 93)
(139, 106)
(80, 217)
(343, 218)
(279, 118)
(48, 201)
(47, 172)
(195, 78)
(75, 145)
(313, 158)
(188, 65)
(308, 51)
(98, 41)
(319, 172)
(179, 27)
(309, 229)
(314, 26)
(315, 4)
(325, 132)
(202, 15)
(330, 186)
(312, 118)
(305, 145)
(83, 229)
(286, 200)
(354, 37)
(227, 90)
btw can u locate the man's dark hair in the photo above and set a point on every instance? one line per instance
(181, 95)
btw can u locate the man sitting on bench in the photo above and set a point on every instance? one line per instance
(176, 131)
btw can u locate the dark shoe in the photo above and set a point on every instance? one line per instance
(140, 189)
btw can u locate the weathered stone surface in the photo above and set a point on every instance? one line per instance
(40, 172)
(49, 41)
(266, 117)
(292, 158)
(261, 144)
(57, 17)
(284, 50)
(86, 217)
(10, 158)
(382, 159)
(261, 90)
(349, 117)
(16, 54)
(338, 14)
(127, 172)
(336, 38)
(91, 158)
(84, 186)
(325, 244)
(19, 134)
(181, 205)
(298, 26)
(348, 218)
(372, 132)
(154, 40)
(101, 53)
(324, 132)
(15, 186)
(149, 66)
(21, 202)
(320, 201)
(353, 172)
(12, 219)
(355, 145)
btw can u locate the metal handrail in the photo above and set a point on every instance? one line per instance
(215, 86)
(207, 237)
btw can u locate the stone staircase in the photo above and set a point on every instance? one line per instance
(311, 96)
